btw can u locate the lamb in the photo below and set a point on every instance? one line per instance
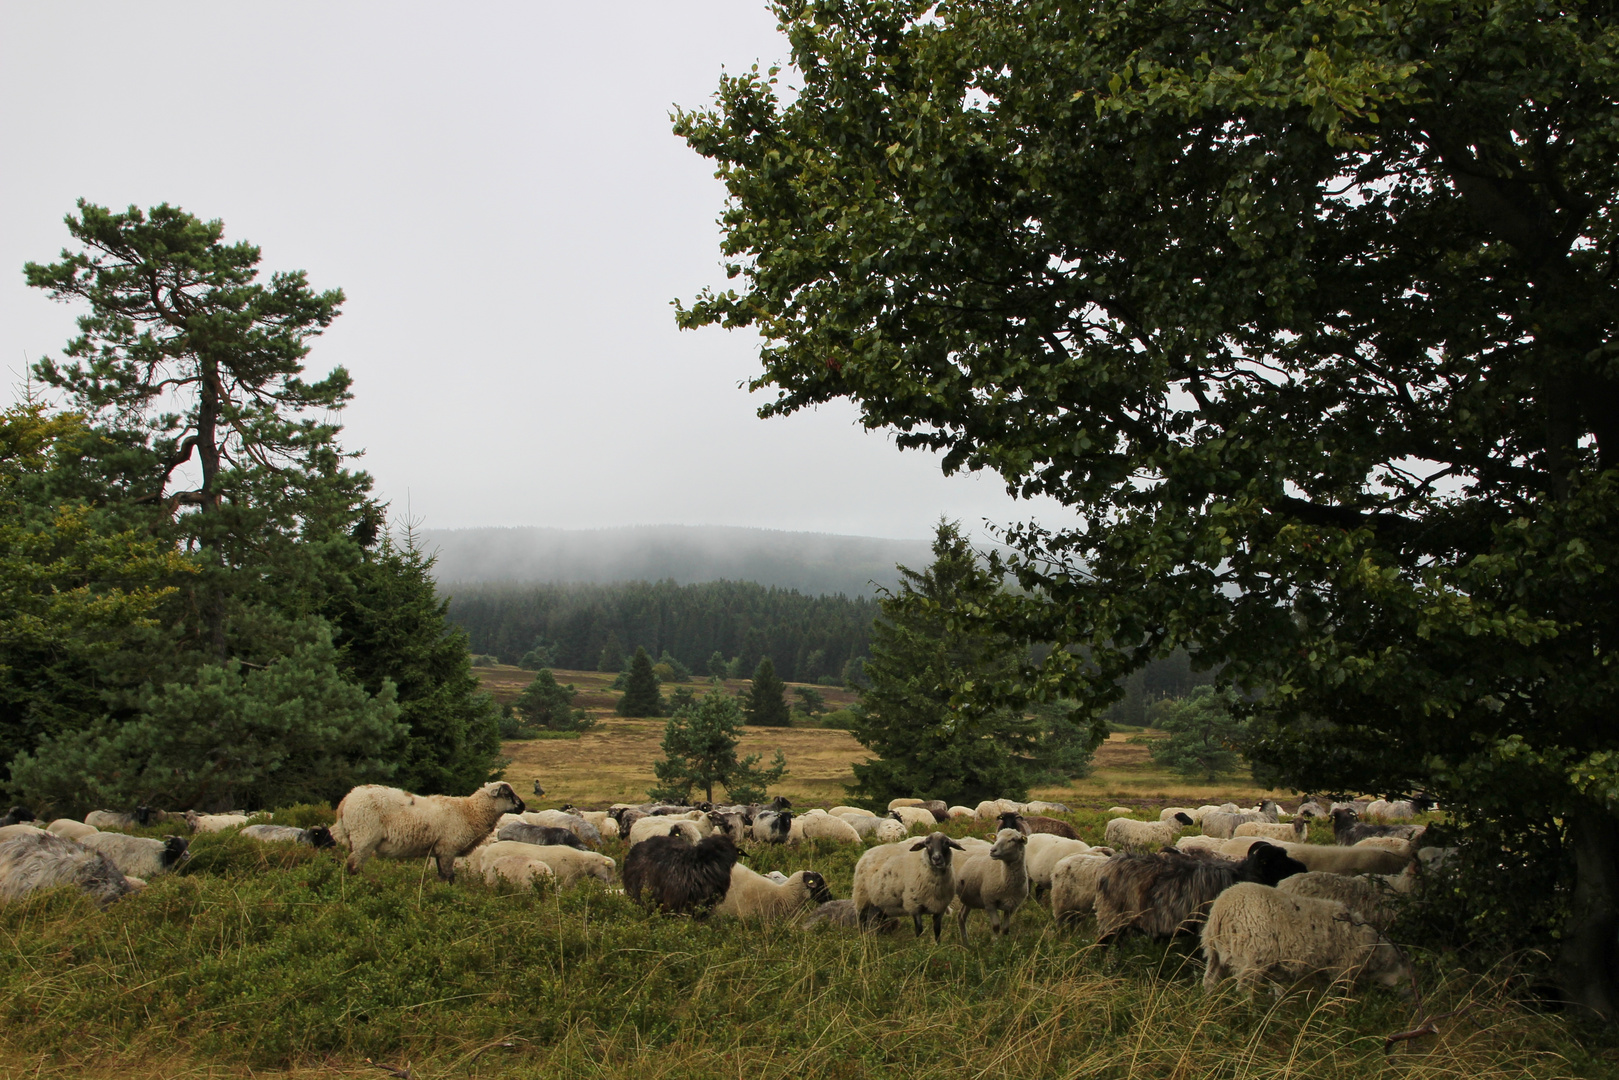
(676, 876)
(1132, 835)
(1369, 899)
(912, 878)
(1167, 893)
(72, 830)
(996, 883)
(539, 835)
(1296, 832)
(772, 826)
(1255, 932)
(42, 861)
(1044, 852)
(376, 820)
(648, 827)
(1347, 829)
(913, 816)
(137, 856)
(317, 836)
(517, 869)
(826, 827)
(569, 864)
(1073, 886)
(752, 896)
(113, 819)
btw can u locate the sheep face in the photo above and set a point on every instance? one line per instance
(319, 836)
(937, 850)
(819, 891)
(1014, 820)
(1183, 818)
(174, 851)
(1269, 864)
(505, 798)
(780, 802)
(1008, 844)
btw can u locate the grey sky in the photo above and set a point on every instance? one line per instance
(496, 189)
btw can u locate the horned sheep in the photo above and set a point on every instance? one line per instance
(376, 820)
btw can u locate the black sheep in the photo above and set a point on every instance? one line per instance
(1028, 826)
(673, 874)
(1348, 829)
(545, 835)
(1169, 892)
(16, 816)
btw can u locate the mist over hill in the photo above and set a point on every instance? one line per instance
(812, 563)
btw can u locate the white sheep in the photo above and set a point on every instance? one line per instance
(318, 836)
(666, 826)
(913, 817)
(1073, 886)
(814, 826)
(1123, 811)
(1255, 932)
(1397, 845)
(72, 830)
(1198, 842)
(1131, 835)
(605, 825)
(1044, 852)
(38, 860)
(138, 856)
(1367, 897)
(1039, 807)
(895, 804)
(885, 830)
(988, 810)
(910, 878)
(1327, 857)
(995, 883)
(569, 864)
(1269, 830)
(959, 812)
(558, 819)
(19, 829)
(752, 896)
(376, 820)
(212, 823)
(850, 811)
(517, 869)
(1170, 811)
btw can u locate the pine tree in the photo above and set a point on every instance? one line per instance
(549, 704)
(717, 665)
(612, 655)
(699, 748)
(767, 699)
(641, 696)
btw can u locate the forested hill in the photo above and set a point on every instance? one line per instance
(812, 563)
(806, 637)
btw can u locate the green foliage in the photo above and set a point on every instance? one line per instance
(549, 705)
(767, 700)
(641, 696)
(484, 660)
(612, 655)
(699, 750)
(678, 672)
(926, 652)
(543, 655)
(718, 667)
(1204, 739)
(811, 702)
(1305, 313)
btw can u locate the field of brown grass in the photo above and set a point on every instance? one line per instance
(614, 761)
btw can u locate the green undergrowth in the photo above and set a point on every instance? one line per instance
(269, 955)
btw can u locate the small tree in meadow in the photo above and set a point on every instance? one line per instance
(718, 666)
(612, 654)
(641, 696)
(1204, 738)
(699, 750)
(548, 704)
(811, 701)
(767, 700)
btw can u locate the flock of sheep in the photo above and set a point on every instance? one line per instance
(1267, 903)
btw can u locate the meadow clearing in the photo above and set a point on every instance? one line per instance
(268, 960)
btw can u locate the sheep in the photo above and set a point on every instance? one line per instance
(988, 810)
(539, 835)
(674, 875)
(1073, 886)
(16, 816)
(912, 878)
(1337, 860)
(42, 861)
(1367, 898)
(1044, 852)
(517, 869)
(957, 813)
(850, 811)
(1268, 830)
(884, 830)
(1130, 834)
(72, 830)
(1407, 848)
(1029, 826)
(1120, 811)
(996, 883)
(1198, 843)
(1310, 809)
(376, 820)
(137, 856)
(1348, 829)
(1047, 808)
(753, 896)
(823, 826)
(938, 808)
(913, 816)
(730, 823)
(843, 913)
(648, 827)
(114, 819)
(1167, 893)
(1399, 809)
(606, 826)
(211, 823)
(1254, 932)
(18, 830)
(569, 864)
(558, 819)
(1170, 811)
(1223, 823)
(772, 826)
(318, 836)
(895, 804)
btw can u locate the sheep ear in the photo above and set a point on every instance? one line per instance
(955, 845)
(919, 845)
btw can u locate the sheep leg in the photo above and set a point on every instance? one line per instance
(358, 857)
(1215, 971)
(446, 867)
(961, 921)
(938, 926)
(916, 921)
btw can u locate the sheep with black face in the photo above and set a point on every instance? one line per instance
(376, 820)
(909, 878)
(1169, 892)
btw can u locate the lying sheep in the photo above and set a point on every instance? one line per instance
(1121, 811)
(1296, 832)
(1044, 852)
(1167, 893)
(72, 830)
(1032, 825)
(913, 817)
(1348, 829)
(40, 860)
(772, 826)
(518, 869)
(587, 833)
(539, 835)
(1336, 860)
(212, 823)
(376, 820)
(912, 878)
(843, 913)
(995, 884)
(850, 811)
(648, 827)
(1254, 932)
(1194, 813)
(957, 813)
(569, 864)
(115, 819)
(138, 856)
(1198, 843)
(826, 827)
(1368, 898)
(1073, 886)
(884, 830)
(895, 804)
(673, 875)
(1223, 824)
(1128, 834)
(1398, 809)
(316, 836)
(606, 826)
(1046, 808)
(754, 897)
(17, 815)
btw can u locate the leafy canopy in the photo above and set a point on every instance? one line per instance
(699, 747)
(1202, 739)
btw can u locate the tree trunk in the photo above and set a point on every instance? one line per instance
(1588, 967)
(208, 447)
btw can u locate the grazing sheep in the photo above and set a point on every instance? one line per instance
(517, 869)
(826, 827)
(895, 804)
(1131, 835)
(1310, 809)
(674, 875)
(1044, 852)
(1073, 886)
(1036, 824)
(72, 830)
(1047, 808)
(648, 827)
(772, 826)
(958, 812)
(843, 913)
(850, 811)
(376, 820)
(1348, 830)
(539, 835)
(569, 864)
(211, 823)
(913, 816)
(137, 856)
(884, 830)
(1336, 860)
(1368, 898)
(911, 878)
(318, 836)
(1255, 932)
(16, 816)
(114, 819)
(1269, 830)
(559, 819)
(996, 883)
(1167, 893)
(752, 896)
(42, 861)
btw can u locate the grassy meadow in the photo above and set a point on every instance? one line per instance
(258, 960)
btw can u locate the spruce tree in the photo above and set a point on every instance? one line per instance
(767, 699)
(641, 696)
(612, 655)
(699, 747)
(549, 704)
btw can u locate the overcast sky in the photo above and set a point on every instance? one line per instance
(496, 189)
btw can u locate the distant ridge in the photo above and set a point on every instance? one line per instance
(812, 563)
